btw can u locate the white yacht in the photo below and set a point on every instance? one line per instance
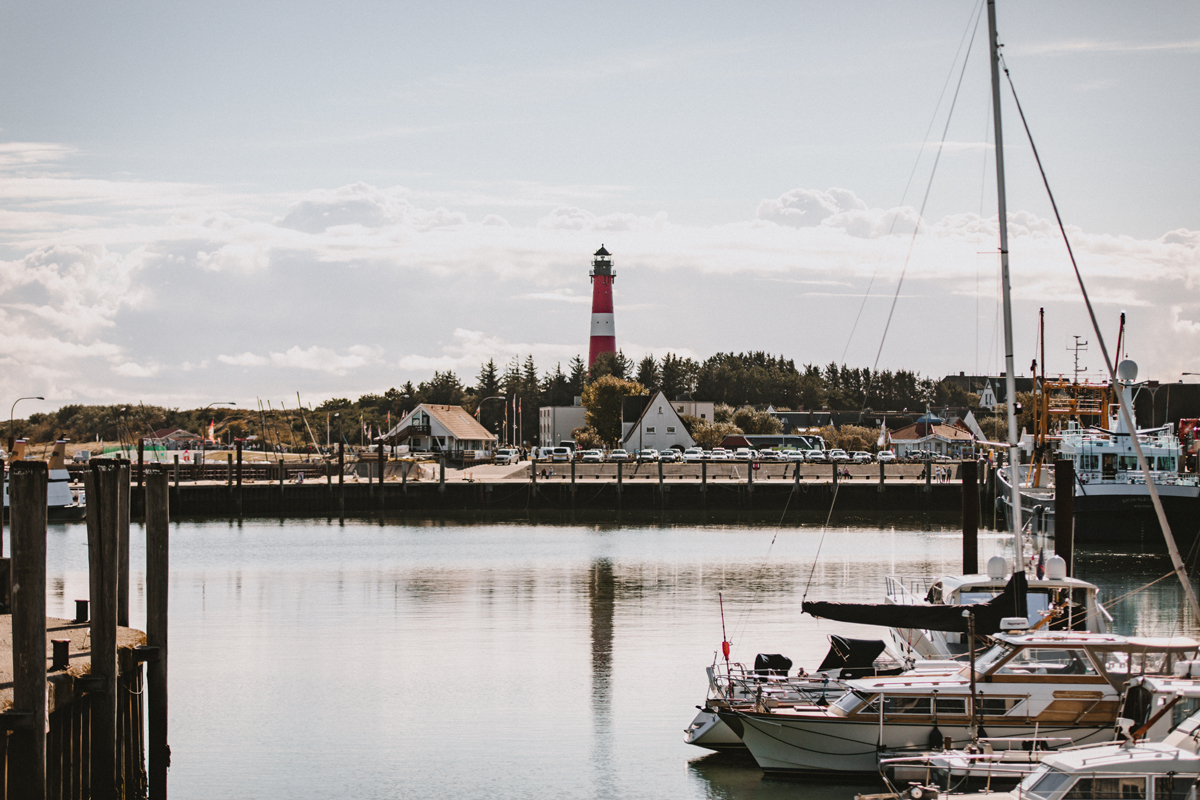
(1066, 685)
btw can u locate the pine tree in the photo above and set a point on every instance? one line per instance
(648, 374)
(578, 376)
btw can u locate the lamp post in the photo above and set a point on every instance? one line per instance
(11, 438)
(327, 445)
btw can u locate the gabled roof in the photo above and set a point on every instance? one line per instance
(670, 409)
(922, 430)
(457, 422)
(174, 433)
(602, 252)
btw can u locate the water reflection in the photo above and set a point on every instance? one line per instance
(316, 658)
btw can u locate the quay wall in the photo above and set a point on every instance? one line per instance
(804, 499)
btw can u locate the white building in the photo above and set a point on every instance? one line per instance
(658, 427)
(556, 423)
(695, 408)
(441, 429)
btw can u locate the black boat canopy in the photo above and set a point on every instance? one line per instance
(1009, 603)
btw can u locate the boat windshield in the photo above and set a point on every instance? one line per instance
(991, 658)
(1048, 661)
(849, 702)
(1044, 783)
(1118, 787)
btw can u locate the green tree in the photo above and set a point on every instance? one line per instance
(756, 422)
(603, 398)
(710, 434)
(578, 376)
(648, 374)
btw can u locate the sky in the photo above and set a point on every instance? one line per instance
(231, 201)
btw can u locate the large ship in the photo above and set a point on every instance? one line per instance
(1111, 498)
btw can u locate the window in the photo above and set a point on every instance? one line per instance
(906, 705)
(701, 416)
(1172, 787)
(1046, 784)
(670, 429)
(1120, 788)
(649, 429)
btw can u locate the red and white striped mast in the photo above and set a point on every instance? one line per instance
(604, 332)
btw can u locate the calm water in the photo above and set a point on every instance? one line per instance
(367, 659)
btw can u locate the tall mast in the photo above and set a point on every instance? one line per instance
(1010, 378)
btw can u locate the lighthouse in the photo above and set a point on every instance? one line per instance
(604, 332)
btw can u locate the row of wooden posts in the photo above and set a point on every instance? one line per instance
(107, 484)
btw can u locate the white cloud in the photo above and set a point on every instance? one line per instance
(1183, 326)
(244, 360)
(807, 208)
(324, 359)
(132, 370)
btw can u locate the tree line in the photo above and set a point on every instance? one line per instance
(732, 380)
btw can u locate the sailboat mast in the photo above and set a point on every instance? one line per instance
(1010, 380)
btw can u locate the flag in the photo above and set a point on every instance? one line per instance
(882, 435)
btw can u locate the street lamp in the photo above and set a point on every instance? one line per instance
(11, 438)
(327, 445)
(484, 400)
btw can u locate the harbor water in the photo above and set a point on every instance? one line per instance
(401, 659)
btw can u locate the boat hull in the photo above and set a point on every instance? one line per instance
(828, 747)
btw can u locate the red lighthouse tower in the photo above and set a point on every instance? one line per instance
(604, 332)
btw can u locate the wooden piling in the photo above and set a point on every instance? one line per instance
(158, 526)
(102, 521)
(27, 514)
(229, 471)
(881, 477)
(141, 461)
(123, 542)
(442, 474)
(970, 517)
(282, 475)
(928, 476)
(238, 456)
(1064, 512)
(342, 479)
(620, 477)
(175, 474)
(703, 477)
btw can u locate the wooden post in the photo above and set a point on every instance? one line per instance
(158, 527)
(27, 515)
(141, 461)
(282, 475)
(703, 476)
(442, 473)
(835, 474)
(533, 473)
(750, 474)
(175, 473)
(928, 475)
(238, 455)
(660, 476)
(229, 471)
(1064, 512)
(881, 476)
(102, 516)
(619, 477)
(382, 463)
(342, 478)
(123, 542)
(572, 474)
(970, 517)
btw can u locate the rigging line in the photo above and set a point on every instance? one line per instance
(913, 173)
(820, 543)
(1172, 547)
(928, 188)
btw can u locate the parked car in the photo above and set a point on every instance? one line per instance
(669, 456)
(861, 457)
(648, 454)
(793, 455)
(592, 456)
(719, 454)
(693, 454)
(837, 454)
(886, 457)
(508, 455)
(816, 457)
(618, 455)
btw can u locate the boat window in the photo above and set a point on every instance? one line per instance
(988, 660)
(1129, 462)
(1037, 604)
(1116, 788)
(849, 701)
(952, 705)
(1044, 783)
(1173, 787)
(994, 706)
(1089, 462)
(1166, 463)
(899, 704)
(1048, 661)
(1186, 707)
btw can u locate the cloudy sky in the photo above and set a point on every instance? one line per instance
(231, 200)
